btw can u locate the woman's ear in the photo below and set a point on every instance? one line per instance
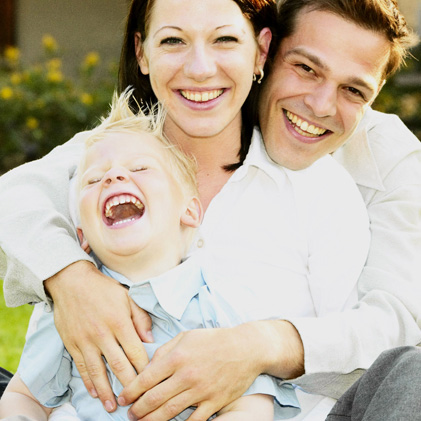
(140, 54)
(263, 42)
(192, 215)
(82, 240)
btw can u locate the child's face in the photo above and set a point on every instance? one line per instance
(128, 198)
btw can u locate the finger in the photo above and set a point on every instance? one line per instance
(165, 411)
(83, 371)
(134, 355)
(159, 369)
(203, 412)
(142, 322)
(95, 367)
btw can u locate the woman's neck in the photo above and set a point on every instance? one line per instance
(212, 155)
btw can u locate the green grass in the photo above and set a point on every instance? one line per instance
(13, 325)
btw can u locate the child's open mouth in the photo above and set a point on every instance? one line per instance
(122, 208)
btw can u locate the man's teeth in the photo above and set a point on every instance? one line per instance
(201, 96)
(303, 127)
(121, 200)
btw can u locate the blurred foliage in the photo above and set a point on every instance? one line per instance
(402, 93)
(41, 107)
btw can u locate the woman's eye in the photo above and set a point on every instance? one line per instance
(171, 41)
(227, 38)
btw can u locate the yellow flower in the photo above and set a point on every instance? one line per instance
(91, 59)
(32, 123)
(49, 43)
(6, 93)
(55, 76)
(86, 99)
(12, 54)
(16, 78)
(54, 64)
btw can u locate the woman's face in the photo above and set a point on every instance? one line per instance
(200, 57)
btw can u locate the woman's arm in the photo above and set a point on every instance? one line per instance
(18, 400)
(38, 243)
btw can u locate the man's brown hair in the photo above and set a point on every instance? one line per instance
(380, 16)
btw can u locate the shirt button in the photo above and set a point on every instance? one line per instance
(200, 243)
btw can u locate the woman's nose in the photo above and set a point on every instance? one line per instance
(200, 64)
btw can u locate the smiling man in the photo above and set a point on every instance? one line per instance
(332, 61)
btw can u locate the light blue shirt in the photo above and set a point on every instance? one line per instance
(181, 299)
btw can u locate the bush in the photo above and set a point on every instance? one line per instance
(41, 107)
(402, 94)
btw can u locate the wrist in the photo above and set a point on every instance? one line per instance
(278, 348)
(69, 275)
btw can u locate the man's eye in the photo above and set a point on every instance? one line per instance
(171, 41)
(306, 68)
(355, 91)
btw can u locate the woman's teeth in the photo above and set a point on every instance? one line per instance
(303, 127)
(202, 96)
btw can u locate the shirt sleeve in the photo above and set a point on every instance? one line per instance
(388, 313)
(37, 238)
(45, 366)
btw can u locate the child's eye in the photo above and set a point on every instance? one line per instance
(94, 180)
(139, 168)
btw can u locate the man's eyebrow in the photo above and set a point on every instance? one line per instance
(303, 52)
(316, 60)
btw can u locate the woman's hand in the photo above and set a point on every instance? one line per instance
(210, 368)
(95, 317)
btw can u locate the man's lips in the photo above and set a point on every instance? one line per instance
(201, 96)
(303, 127)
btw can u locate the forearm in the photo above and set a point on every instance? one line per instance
(37, 237)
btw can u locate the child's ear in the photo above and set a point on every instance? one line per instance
(82, 240)
(192, 215)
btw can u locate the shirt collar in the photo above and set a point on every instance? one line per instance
(358, 159)
(173, 289)
(257, 157)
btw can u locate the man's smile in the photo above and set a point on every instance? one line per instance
(304, 127)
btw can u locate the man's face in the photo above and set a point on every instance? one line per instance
(324, 77)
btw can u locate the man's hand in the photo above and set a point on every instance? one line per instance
(95, 317)
(210, 368)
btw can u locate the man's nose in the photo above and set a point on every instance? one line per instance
(323, 100)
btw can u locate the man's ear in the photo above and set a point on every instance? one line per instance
(192, 215)
(82, 240)
(140, 54)
(263, 42)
